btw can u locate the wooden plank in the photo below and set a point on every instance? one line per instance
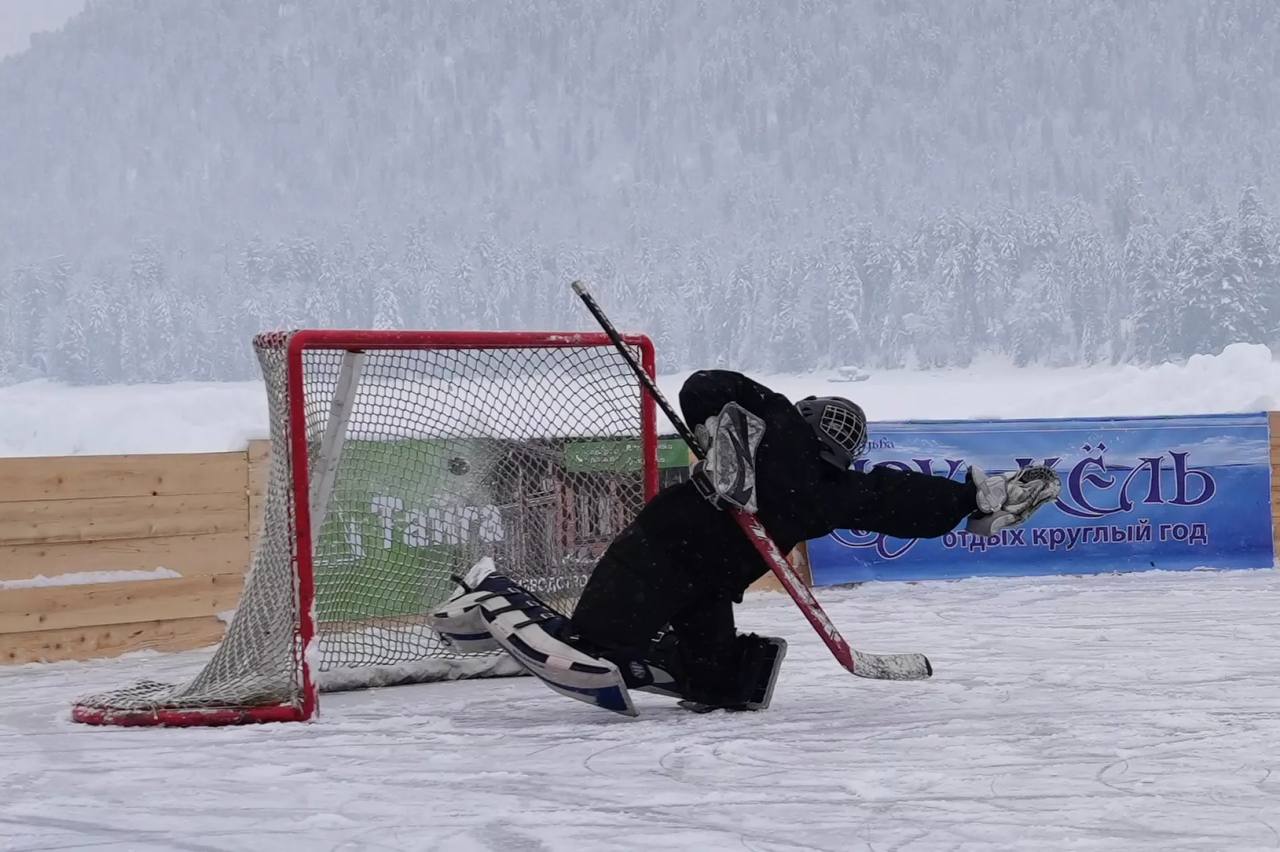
(48, 521)
(256, 506)
(189, 555)
(799, 559)
(83, 643)
(259, 466)
(96, 477)
(59, 607)
(767, 583)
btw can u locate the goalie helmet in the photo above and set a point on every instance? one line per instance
(839, 424)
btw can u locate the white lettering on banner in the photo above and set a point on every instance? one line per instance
(355, 539)
(385, 507)
(415, 530)
(435, 525)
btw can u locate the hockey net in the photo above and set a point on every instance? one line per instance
(398, 460)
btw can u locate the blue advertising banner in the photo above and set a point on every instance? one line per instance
(1137, 493)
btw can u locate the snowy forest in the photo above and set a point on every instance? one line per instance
(776, 185)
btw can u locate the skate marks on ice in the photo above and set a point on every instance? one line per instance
(1133, 711)
(1129, 712)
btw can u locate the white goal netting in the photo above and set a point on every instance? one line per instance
(423, 454)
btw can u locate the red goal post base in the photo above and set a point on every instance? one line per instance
(175, 718)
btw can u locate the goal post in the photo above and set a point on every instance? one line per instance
(398, 459)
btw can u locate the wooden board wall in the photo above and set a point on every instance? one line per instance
(195, 515)
(259, 461)
(86, 514)
(799, 559)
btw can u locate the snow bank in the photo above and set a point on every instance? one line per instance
(44, 418)
(1245, 377)
(49, 419)
(86, 578)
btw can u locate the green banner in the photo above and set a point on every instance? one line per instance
(388, 547)
(614, 455)
(407, 514)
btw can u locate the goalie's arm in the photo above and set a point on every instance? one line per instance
(899, 503)
(706, 393)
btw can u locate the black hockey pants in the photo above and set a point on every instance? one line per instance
(626, 606)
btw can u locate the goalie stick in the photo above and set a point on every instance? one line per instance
(860, 663)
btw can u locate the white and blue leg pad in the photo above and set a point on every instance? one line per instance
(459, 621)
(516, 622)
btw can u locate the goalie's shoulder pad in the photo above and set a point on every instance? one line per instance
(727, 476)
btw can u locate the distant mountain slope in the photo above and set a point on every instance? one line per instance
(218, 153)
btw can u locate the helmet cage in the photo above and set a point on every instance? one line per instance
(839, 424)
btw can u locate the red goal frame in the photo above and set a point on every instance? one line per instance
(359, 340)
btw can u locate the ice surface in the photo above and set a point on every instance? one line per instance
(1109, 712)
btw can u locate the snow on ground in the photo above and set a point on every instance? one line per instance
(1244, 377)
(45, 418)
(1123, 712)
(84, 578)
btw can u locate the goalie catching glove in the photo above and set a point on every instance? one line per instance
(727, 476)
(1008, 499)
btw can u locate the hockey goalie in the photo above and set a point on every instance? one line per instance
(657, 612)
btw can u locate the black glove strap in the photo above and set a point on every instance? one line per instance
(702, 482)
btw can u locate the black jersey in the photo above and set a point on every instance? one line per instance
(800, 496)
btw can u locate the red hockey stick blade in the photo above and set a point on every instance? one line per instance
(860, 663)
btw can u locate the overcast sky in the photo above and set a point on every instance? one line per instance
(20, 18)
